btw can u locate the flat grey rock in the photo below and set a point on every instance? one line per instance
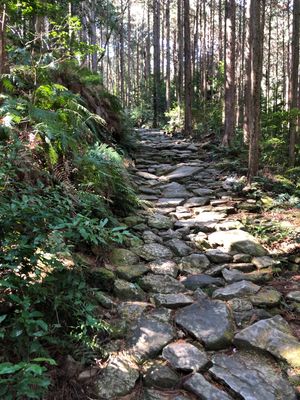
(252, 376)
(163, 284)
(194, 282)
(266, 297)
(203, 389)
(203, 192)
(160, 221)
(209, 321)
(232, 276)
(128, 291)
(238, 289)
(295, 296)
(170, 202)
(149, 337)
(164, 267)
(264, 262)
(182, 172)
(196, 202)
(237, 240)
(154, 251)
(273, 335)
(117, 379)
(186, 357)
(194, 262)
(175, 190)
(172, 301)
(179, 247)
(161, 376)
(218, 256)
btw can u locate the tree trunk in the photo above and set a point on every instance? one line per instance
(93, 34)
(168, 56)
(187, 70)
(230, 84)
(180, 52)
(255, 57)
(3, 55)
(156, 61)
(293, 91)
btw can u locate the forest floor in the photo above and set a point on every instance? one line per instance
(201, 308)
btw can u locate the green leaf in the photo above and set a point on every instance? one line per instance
(9, 368)
(2, 317)
(46, 360)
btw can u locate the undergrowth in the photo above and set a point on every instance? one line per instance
(62, 187)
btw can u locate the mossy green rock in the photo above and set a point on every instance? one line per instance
(131, 272)
(266, 297)
(123, 257)
(128, 291)
(103, 279)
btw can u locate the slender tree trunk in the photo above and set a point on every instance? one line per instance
(230, 82)
(168, 56)
(187, 70)
(93, 34)
(253, 105)
(3, 55)
(156, 61)
(129, 77)
(293, 91)
(180, 52)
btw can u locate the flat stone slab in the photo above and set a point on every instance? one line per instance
(238, 289)
(252, 376)
(198, 385)
(172, 301)
(264, 262)
(131, 272)
(146, 175)
(232, 276)
(273, 335)
(117, 379)
(149, 337)
(182, 172)
(218, 256)
(209, 321)
(203, 192)
(194, 262)
(164, 267)
(154, 251)
(186, 357)
(163, 284)
(194, 282)
(128, 291)
(132, 310)
(196, 202)
(170, 202)
(237, 240)
(175, 190)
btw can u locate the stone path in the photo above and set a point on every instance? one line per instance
(190, 295)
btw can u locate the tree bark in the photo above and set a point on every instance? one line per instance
(230, 83)
(168, 56)
(156, 61)
(187, 70)
(293, 90)
(3, 55)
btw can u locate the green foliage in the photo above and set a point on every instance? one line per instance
(175, 119)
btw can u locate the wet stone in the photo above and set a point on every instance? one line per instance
(186, 357)
(209, 321)
(273, 335)
(172, 301)
(252, 376)
(199, 386)
(238, 289)
(161, 284)
(149, 337)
